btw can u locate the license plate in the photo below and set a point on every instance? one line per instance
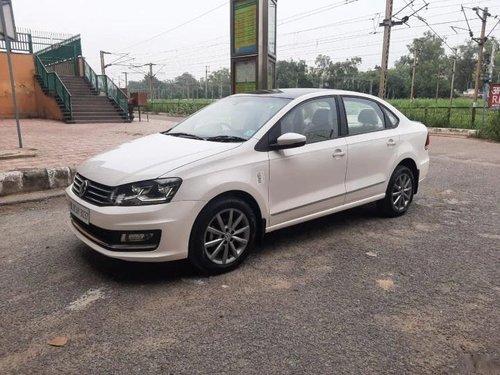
(80, 212)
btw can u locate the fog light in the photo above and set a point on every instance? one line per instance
(136, 237)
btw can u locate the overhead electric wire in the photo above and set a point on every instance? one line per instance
(494, 27)
(178, 26)
(178, 54)
(435, 33)
(313, 12)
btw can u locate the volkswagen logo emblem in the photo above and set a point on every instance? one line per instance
(83, 188)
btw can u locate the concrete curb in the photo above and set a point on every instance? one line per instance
(451, 132)
(38, 179)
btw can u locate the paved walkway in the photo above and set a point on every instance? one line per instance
(55, 144)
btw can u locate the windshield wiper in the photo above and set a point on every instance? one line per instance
(226, 138)
(185, 135)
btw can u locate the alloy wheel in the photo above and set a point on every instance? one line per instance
(226, 236)
(402, 192)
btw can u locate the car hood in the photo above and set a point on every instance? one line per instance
(148, 158)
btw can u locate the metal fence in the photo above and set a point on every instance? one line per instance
(450, 117)
(32, 41)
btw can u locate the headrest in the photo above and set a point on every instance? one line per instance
(321, 117)
(368, 116)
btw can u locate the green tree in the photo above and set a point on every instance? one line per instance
(466, 66)
(292, 74)
(432, 71)
(219, 83)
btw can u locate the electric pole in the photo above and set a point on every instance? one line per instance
(490, 69)
(103, 66)
(126, 81)
(412, 90)
(385, 49)
(150, 80)
(388, 23)
(453, 74)
(206, 81)
(480, 42)
(492, 59)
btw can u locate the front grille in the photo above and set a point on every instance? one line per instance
(94, 192)
(111, 239)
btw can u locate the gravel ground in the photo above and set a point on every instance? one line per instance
(350, 293)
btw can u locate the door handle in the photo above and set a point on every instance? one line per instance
(391, 142)
(338, 154)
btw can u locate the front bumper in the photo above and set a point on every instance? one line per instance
(174, 220)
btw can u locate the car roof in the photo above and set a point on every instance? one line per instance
(297, 93)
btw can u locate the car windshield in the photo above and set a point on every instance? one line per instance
(233, 119)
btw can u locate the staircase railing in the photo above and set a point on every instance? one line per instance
(54, 85)
(104, 85)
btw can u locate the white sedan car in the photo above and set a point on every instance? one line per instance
(244, 166)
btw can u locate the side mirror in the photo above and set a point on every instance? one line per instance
(289, 140)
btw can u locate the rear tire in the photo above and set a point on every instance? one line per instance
(399, 193)
(222, 236)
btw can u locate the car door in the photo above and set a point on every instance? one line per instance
(372, 146)
(308, 179)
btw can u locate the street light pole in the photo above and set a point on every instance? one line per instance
(11, 70)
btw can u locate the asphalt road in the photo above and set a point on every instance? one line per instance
(309, 300)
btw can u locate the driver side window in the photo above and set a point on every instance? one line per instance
(316, 119)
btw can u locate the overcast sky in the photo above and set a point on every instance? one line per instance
(153, 30)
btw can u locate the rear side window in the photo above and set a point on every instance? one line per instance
(363, 115)
(393, 121)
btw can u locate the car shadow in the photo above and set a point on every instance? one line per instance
(325, 225)
(125, 272)
(135, 272)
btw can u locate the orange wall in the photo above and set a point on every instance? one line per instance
(31, 100)
(24, 73)
(46, 105)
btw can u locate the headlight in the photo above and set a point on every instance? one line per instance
(146, 192)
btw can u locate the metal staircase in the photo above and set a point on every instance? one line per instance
(84, 97)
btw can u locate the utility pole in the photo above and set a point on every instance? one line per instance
(388, 23)
(437, 84)
(150, 80)
(206, 81)
(481, 41)
(412, 90)
(385, 50)
(453, 75)
(126, 82)
(103, 65)
(490, 70)
(492, 59)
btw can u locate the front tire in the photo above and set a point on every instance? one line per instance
(399, 193)
(222, 236)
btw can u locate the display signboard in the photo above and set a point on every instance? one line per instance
(246, 76)
(7, 24)
(253, 45)
(494, 97)
(245, 27)
(272, 28)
